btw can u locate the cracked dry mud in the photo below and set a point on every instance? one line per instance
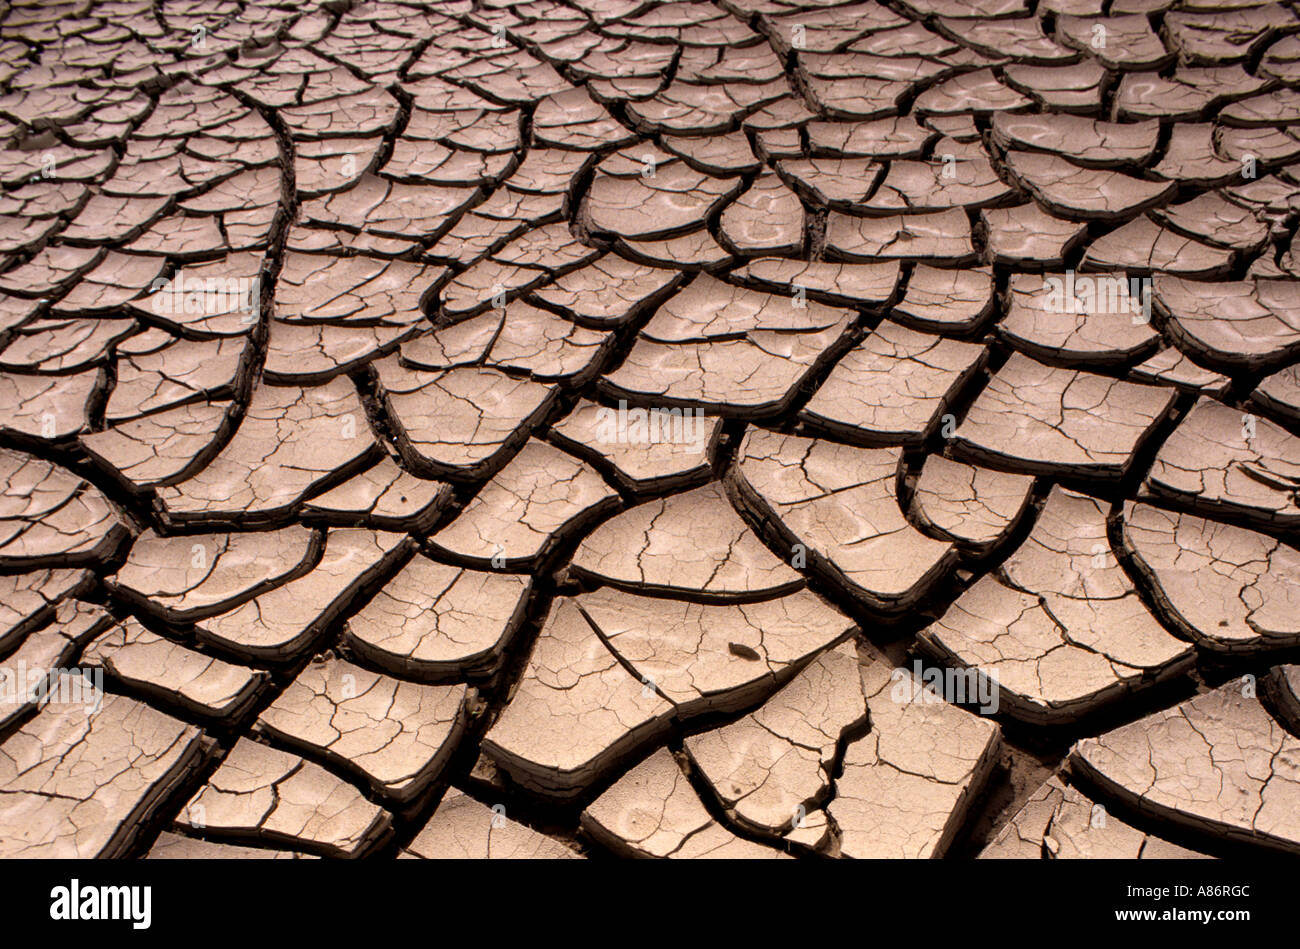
(556, 428)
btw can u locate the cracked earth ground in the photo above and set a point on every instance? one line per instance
(481, 428)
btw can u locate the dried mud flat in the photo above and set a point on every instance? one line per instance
(751, 428)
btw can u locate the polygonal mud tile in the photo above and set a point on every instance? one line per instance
(1075, 88)
(42, 655)
(264, 795)
(361, 290)
(1059, 627)
(1279, 393)
(414, 160)
(1227, 588)
(692, 544)
(836, 94)
(314, 354)
(461, 423)
(1192, 158)
(779, 758)
(1234, 325)
(894, 137)
(1028, 237)
(645, 452)
(390, 208)
(520, 337)
(79, 785)
(385, 497)
(161, 372)
(686, 109)
(551, 247)
(1279, 107)
(1085, 141)
(824, 30)
(957, 177)
(1043, 420)
(184, 578)
(728, 349)
(431, 620)
(943, 236)
(290, 443)
(1117, 42)
(750, 64)
(850, 285)
(164, 448)
(575, 711)
(908, 784)
(1171, 366)
(518, 518)
(718, 155)
(1100, 319)
(946, 301)
(374, 110)
(975, 507)
(608, 292)
(652, 811)
(1186, 94)
(1143, 247)
(51, 270)
(671, 199)
(1021, 38)
(171, 846)
(706, 657)
(980, 92)
(1060, 822)
(332, 164)
(574, 120)
(487, 284)
(63, 346)
(696, 250)
(835, 508)
(144, 662)
(28, 600)
(1217, 221)
(50, 517)
(276, 625)
(1176, 765)
(465, 829)
(1219, 460)
(214, 298)
(395, 735)
(709, 308)
(1079, 193)
(893, 387)
(767, 219)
